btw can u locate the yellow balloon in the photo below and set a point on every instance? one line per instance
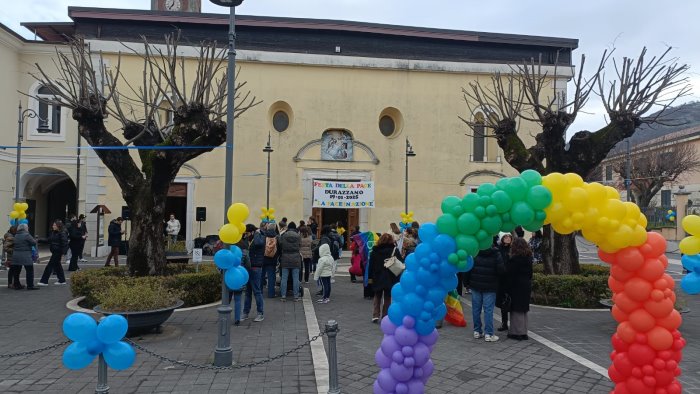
(691, 224)
(263, 216)
(229, 234)
(17, 206)
(556, 183)
(241, 227)
(25, 206)
(669, 212)
(14, 214)
(271, 216)
(22, 215)
(272, 210)
(574, 180)
(237, 213)
(690, 245)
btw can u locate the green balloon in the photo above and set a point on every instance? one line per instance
(502, 201)
(539, 197)
(486, 189)
(484, 201)
(501, 183)
(492, 224)
(453, 258)
(462, 265)
(508, 226)
(505, 217)
(480, 212)
(481, 234)
(457, 210)
(462, 254)
(516, 189)
(467, 243)
(449, 202)
(521, 213)
(534, 226)
(447, 224)
(531, 177)
(468, 223)
(470, 202)
(485, 243)
(540, 216)
(491, 210)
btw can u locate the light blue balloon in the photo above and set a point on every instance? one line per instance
(76, 356)
(691, 283)
(23, 221)
(449, 283)
(440, 311)
(408, 281)
(426, 278)
(236, 278)
(237, 255)
(411, 262)
(436, 295)
(691, 262)
(427, 232)
(397, 293)
(425, 327)
(112, 329)
(119, 355)
(80, 327)
(412, 304)
(447, 270)
(94, 347)
(224, 259)
(423, 250)
(444, 245)
(396, 314)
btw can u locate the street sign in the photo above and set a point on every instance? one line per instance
(197, 255)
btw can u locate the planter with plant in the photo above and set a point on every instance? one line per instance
(584, 290)
(177, 252)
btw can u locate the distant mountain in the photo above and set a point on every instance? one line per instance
(682, 117)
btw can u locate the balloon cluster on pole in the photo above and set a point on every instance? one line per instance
(229, 260)
(671, 215)
(406, 220)
(91, 339)
(233, 231)
(647, 344)
(690, 247)
(267, 215)
(19, 215)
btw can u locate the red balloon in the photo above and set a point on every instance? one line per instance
(663, 377)
(636, 386)
(641, 320)
(651, 270)
(616, 286)
(660, 338)
(672, 321)
(657, 243)
(627, 333)
(618, 314)
(607, 257)
(615, 376)
(620, 273)
(659, 309)
(649, 381)
(641, 354)
(638, 289)
(625, 303)
(618, 344)
(623, 364)
(631, 259)
(664, 260)
(674, 388)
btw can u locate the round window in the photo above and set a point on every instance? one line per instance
(280, 121)
(387, 125)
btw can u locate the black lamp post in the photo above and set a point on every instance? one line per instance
(223, 355)
(409, 153)
(43, 127)
(268, 149)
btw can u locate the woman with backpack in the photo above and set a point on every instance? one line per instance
(256, 252)
(382, 278)
(236, 295)
(270, 256)
(58, 244)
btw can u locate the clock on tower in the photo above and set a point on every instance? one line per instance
(177, 5)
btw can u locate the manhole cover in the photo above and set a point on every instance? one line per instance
(467, 376)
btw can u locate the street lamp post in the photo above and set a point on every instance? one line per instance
(223, 355)
(268, 149)
(628, 169)
(409, 153)
(43, 126)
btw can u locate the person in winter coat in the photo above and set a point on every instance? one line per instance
(75, 239)
(324, 271)
(483, 281)
(306, 251)
(504, 248)
(256, 251)
(22, 256)
(84, 235)
(536, 246)
(519, 287)
(173, 229)
(8, 246)
(58, 242)
(290, 260)
(270, 260)
(114, 237)
(382, 278)
(236, 295)
(324, 239)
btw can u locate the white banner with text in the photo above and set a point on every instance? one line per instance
(334, 194)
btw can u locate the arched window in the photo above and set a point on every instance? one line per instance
(49, 124)
(479, 138)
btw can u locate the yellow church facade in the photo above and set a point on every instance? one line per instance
(339, 101)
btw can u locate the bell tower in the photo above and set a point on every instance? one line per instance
(177, 5)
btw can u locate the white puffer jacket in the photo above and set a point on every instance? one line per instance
(324, 268)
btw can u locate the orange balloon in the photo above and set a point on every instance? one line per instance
(669, 281)
(659, 309)
(616, 286)
(627, 333)
(657, 243)
(618, 314)
(664, 260)
(638, 289)
(652, 270)
(656, 295)
(641, 320)
(659, 338)
(620, 273)
(631, 259)
(625, 303)
(672, 321)
(609, 258)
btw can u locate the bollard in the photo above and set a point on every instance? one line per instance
(332, 332)
(102, 387)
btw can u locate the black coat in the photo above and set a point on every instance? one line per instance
(257, 249)
(289, 245)
(382, 278)
(519, 282)
(488, 267)
(502, 280)
(114, 232)
(58, 242)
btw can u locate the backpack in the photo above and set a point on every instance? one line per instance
(270, 247)
(335, 247)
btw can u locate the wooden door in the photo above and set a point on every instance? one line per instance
(353, 219)
(317, 214)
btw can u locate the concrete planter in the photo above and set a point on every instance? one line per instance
(144, 321)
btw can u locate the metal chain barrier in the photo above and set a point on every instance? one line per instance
(232, 367)
(35, 351)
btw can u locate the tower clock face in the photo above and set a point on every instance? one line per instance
(173, 5)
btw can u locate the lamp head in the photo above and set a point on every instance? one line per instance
(227, 3)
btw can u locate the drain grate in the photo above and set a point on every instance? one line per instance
(467, 376)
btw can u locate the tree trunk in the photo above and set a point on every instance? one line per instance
(559, 252)
(147, 242)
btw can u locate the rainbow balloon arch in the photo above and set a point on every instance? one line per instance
(647, 344)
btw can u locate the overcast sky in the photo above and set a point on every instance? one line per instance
(626, 25)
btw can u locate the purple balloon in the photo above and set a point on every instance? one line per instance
(406, 336)
(387, 326)
(386, 380)
(430, 339)
(400, 372)
(397, 357)
(416, 386)
(409, 362)
(427, 371)
(378, 389)
(409, 322)
(389, 345)
(407, 351)
(418, 372)
(382, 360)
(421, 353)
(401, 388)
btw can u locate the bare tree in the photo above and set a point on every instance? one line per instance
(653, 165)
(529, 93)
(93, 91)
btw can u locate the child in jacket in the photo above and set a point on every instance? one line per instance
(324, 271)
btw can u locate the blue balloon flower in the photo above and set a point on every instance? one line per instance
(224, 259)
(691, 283)
(90, 339)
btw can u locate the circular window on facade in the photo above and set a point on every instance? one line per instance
(280, 121)
(387, 126)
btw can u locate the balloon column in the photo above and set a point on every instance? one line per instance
(19, 215)
(406, 220)
(690, 247)
(569, 204)
(229, 260)
(267, 215)
(91, 339)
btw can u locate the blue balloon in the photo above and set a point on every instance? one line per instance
(423, 250)
(691, 262)
(427, 232)
(426, 278)
(444, 245)
(447, 270)
(436, 295)
(691, 283)
(412, 304)
(76, 356)
(94, 347)
(80, 327)
(470, 264)
(224, 259)
(449, 283)
(119, 355)
(440, 311)
(236, 278)
(411, 262)
(396, 314)
(23, 221)
(408, 281)
(425, 327)
(237, 255)
(397, 293)
(112, 329)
